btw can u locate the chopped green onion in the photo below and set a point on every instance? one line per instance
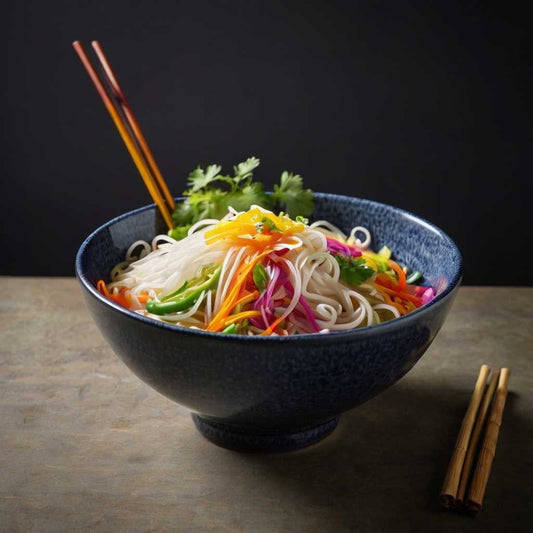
(231, 329)
(414, 276)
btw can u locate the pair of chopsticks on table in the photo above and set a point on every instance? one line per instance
(128, 128)
(463, 488)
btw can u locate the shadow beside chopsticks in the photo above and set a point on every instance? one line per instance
(387, 459)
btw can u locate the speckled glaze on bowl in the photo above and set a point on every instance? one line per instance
(275, 393)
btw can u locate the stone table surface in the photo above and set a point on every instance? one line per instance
(86, 446)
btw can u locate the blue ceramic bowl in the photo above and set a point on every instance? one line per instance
(275, 393)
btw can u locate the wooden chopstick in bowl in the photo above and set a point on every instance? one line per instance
(129, 131)
(130, 117)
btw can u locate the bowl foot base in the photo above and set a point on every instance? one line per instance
(240, 439)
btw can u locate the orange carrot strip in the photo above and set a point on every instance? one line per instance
(238, 278)
(388, 300)
(273, 326)
(240, 316)
(402, 295)
(217, 322)
(121, 298)
(402, 303)
(400, 273)
(102, 288)
(386, 280)
(248, 297)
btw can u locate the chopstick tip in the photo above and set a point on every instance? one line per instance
(473, 507)
(447, 500)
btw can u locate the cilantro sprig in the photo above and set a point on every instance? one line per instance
(296, 200)
(210, 193)
(354, 270)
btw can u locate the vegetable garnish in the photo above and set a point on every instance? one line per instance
(353, 269)
(337, 247)
(210, 194)
(256, 228)
(231, 329)
(221, 318)
(188, 294)
(260, 277)
(260, 273)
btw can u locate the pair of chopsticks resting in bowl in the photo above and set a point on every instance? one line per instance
(116, 104)
(464, 488)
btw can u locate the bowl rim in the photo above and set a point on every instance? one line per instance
(338, 335)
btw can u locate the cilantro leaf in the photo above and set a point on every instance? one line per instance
(179, 232)
(354, 270)
(244, 170)
(198, 205)
(293, 198)
(242, 199)
(183, 214)
(203, 200)
(209, 204)
(198, 179)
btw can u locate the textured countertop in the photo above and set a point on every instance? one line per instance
(85, 445)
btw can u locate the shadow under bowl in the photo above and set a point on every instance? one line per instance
(275, 393)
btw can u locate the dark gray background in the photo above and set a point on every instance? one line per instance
(424, 105)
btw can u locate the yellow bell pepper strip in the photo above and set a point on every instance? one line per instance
(255, 228)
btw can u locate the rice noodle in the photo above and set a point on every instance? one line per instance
(305, 291)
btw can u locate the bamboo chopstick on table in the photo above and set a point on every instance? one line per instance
(453, 477)
(458, 477)
(488, 448)
(129, 130)
(474, 440)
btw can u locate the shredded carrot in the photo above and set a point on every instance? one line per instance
(402, 295)
(122, 297)
(410, 306)
(264, 229)
(217, 323)
(143, 297)
(388, 300)
(246, 297)
(102, 288)
(273, 326)
(400, 273)
(386, 280)
(241, 316)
